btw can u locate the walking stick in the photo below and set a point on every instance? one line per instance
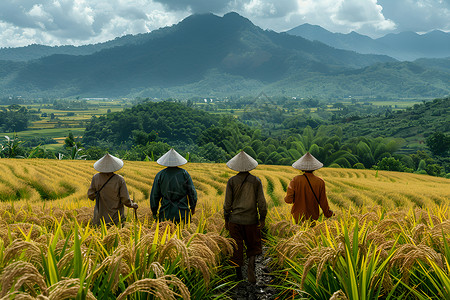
(135, 211)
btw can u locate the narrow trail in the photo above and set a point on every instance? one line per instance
(262, 289)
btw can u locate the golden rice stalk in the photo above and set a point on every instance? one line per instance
(390, 227)
(215, 223)
(61, 244)
(66, 260)
(116, 235)
(437, 230)
(4, 234)
(408, 254)
(225, 245)
(67, 289)
(157, 269)
(144, 247)
(338, 295)
(162, 227)
(21, 274)
(172, 249)
(201, 249)
(299, 244)
(113, 266)
(322, 228)
(22, 296)
(36, 230)
(44, 239)
(84, 218)
(284, 228)
(160, 288)
(418, 232)
(205, 239)
(31, 250)
(425, 216)
(376, 237)
(199, 264)
(368, 217)
(320, 257)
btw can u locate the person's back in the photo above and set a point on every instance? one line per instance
(112, 192)
(307, 192)
(245, 212)
(244, 195)
(173, 193)
(174, 188)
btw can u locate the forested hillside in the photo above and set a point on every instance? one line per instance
(208, 55)
(149, 129)
(416, 122)
(403, 46)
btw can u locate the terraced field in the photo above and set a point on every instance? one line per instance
(44, 212)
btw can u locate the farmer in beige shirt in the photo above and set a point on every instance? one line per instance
(112, 192)
(245, 212)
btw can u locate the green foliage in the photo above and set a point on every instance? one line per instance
(14, 118)
(358, 166)
(11, 147)
(439, 143)
(213, 153)
(390, 164)
(422, 165)
(172, 122)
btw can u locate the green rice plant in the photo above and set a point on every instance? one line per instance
(346, 262)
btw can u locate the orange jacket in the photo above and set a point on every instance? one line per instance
(305, 205)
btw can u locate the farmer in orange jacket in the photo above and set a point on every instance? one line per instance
(307, 192)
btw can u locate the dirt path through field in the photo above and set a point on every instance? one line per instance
(262, 289)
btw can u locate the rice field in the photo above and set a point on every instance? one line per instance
(389, 239)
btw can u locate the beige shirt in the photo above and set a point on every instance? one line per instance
(113, 197)
(243, 206)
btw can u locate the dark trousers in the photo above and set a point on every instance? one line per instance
(248, 234)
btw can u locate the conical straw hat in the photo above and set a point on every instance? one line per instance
(108, 163)
(307, 163)
(171, 159)
(242, 162)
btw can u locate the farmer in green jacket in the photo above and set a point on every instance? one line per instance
(173, 191)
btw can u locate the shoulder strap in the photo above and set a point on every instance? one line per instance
(106, 183)
(240, 187)
(312, 189)
(97, 193)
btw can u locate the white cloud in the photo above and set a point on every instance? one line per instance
(56, 22)
(356, 14)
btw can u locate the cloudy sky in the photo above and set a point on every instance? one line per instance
(78, 22)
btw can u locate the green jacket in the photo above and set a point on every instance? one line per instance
(174, 190)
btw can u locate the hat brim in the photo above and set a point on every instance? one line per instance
(171, 159)
(242, 162)
(108, 164)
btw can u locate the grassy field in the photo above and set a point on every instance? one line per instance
(64, 121)
(389, 238)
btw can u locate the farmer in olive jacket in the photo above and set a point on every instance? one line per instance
(245, 211)
(173, 191)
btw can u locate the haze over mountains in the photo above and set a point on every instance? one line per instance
(402, 46)
(208, 55)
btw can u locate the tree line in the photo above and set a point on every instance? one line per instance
(149, 129)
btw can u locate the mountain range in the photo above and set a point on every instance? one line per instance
(405, 46)
(208, 55)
